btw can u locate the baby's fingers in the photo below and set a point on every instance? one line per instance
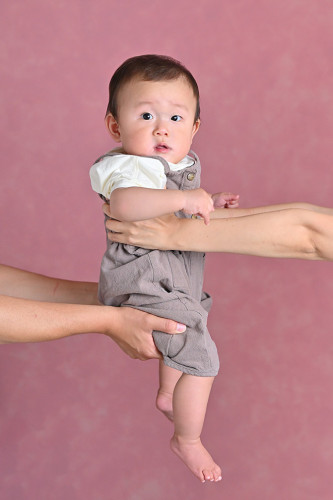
(219, 200)
(232, 204)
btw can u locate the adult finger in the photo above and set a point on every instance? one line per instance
(166, 325)
(106, 209)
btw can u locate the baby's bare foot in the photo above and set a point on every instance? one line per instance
(197, 458)
(164, 404)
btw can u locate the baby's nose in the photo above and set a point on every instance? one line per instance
(161, 129)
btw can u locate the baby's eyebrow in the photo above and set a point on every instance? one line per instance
(173, 104)
(179, 105)
(144, 103)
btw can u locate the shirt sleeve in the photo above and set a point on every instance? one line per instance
(123, 171)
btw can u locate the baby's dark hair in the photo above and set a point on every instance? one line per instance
(149, 67)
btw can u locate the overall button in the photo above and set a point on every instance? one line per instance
(190, 176)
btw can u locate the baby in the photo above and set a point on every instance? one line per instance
(154, 113)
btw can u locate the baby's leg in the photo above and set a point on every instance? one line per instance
(189, 408)
(168, 379)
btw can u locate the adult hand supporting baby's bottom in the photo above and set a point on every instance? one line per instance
(135, 332)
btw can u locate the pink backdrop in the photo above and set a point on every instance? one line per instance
(77, 416)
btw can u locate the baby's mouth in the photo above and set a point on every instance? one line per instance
(162, 148)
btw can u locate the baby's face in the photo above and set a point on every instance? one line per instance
(156, 118)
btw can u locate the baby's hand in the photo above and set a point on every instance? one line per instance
(225, 200)
(198, 202)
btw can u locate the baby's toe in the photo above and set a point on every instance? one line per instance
(217, 474)
(207, 474)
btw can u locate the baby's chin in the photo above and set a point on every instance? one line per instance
(168, 156)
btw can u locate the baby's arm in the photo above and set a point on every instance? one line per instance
(136, 203)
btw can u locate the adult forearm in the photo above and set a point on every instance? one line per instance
(293, 233)
(24, 284)
(227, 213)
(24, 320)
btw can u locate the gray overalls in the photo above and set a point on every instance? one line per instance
(167, 284)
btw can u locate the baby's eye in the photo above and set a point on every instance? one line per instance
(176, 118)
(147, 116)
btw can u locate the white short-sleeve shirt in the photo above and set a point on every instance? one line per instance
(123, 171)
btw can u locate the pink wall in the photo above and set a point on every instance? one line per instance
(77, 416)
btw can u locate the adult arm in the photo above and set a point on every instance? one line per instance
(23, 320)
(290, 233)
(28, 285)
(26, 317)
(223, 213)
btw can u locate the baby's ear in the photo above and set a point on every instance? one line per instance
(195, 127)
(112, 126)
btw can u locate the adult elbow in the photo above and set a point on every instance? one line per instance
(309, 234)
(312, 249)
